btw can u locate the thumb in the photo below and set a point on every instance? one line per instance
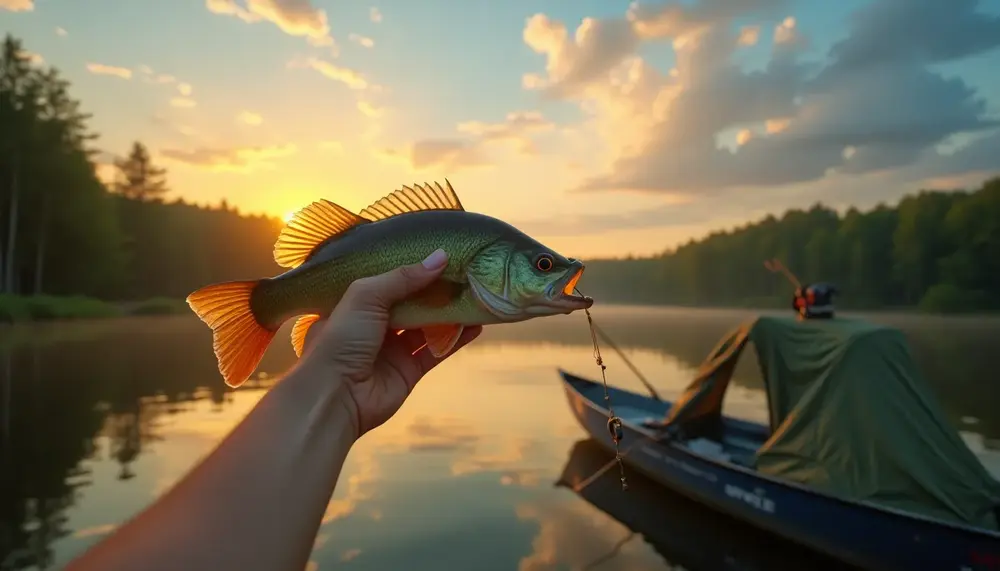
(385, 290)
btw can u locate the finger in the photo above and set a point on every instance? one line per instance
(384, 290)
(427, 361)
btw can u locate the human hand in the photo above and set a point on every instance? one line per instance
(355, 345)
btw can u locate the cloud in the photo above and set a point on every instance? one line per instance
(360, 479)
(369, 109)
(32, 57)
(375, 15)
(185, 89)
(875, 103)
(575, 535)
(509, 460)
(447, 154)
(249, 118)
(101, 69)
(363, 41)
(294, 17)
(427, 434)
(749, 35)
(183, 102)
(349, 77)
(517, 130)
(61, 32)
(243, 159)
(17, 5)
(517, 127)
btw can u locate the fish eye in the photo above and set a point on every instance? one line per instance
(544, 262)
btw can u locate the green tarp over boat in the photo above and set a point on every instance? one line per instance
(852, 416)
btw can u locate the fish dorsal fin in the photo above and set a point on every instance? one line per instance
(414, 199)
(309, 228)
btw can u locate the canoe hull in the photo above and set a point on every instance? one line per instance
(859, 534)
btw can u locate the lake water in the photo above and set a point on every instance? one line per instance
(98, 419)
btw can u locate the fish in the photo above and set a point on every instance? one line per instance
(495, 274)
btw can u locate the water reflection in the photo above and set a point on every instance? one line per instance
(675, 527)
(98, 419)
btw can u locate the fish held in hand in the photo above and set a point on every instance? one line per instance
(495, 274)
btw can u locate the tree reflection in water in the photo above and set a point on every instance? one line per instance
(62, 388)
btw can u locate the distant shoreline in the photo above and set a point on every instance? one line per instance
(46, 308)
(39, 308)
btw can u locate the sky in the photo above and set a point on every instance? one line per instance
(600, 127)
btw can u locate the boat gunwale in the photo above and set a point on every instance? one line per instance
(569, 379)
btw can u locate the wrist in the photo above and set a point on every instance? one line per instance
(321, 391)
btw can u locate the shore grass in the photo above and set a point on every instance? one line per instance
(17, 309)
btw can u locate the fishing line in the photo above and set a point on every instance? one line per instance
(614, 423)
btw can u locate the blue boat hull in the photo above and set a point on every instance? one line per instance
(857, 533)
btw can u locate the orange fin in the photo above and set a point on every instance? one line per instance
(309, 228)
(238, 339)
(414, 199)
(442, 338)
(300, 330)
(438, 294)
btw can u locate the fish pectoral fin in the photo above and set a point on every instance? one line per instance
(414, 199)
(441, 339)
(238, 339)
(301, 330)
(309, 228)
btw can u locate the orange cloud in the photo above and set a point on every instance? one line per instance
(445, 154)
(363, 41)
(294, 17)
(375, 15)
(369, 109)
(101, 69)
(242, 159)
(32, 57)
(249, 118)
(349, 77)
(749, 35)
(17, 5)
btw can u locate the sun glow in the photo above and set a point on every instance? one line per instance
(288, 216)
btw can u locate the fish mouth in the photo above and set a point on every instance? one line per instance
(564, 295)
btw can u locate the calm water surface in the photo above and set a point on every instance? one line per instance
(99, 419)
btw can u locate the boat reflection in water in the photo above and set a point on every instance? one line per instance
(686, 534)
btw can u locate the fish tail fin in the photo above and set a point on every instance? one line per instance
(238, 338)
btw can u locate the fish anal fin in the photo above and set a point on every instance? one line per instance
(309, 228)
(441, 339)
(414, 199)
(238, 339)
(300, 330)
(439, 293)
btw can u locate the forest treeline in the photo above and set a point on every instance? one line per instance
(65, 232)
(936, 250)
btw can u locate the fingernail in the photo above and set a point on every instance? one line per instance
(435, 260)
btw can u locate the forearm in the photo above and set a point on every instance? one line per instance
(256, 502)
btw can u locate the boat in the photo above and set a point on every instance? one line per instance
(682, 532)
(857, 460)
